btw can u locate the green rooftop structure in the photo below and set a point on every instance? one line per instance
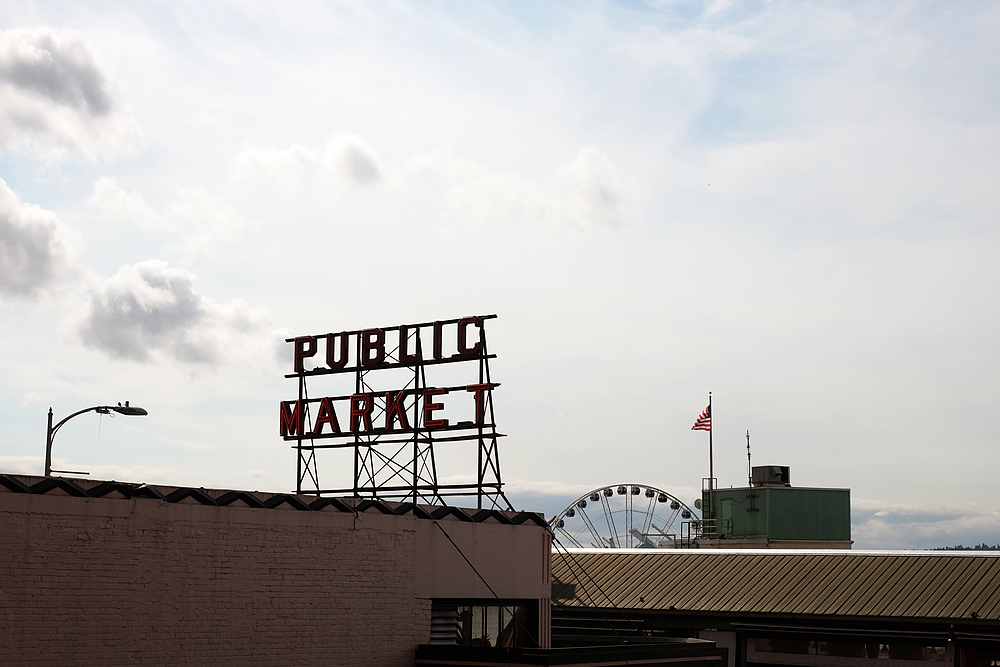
(772, 514)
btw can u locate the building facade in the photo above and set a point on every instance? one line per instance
(105, 573)
(808, 608)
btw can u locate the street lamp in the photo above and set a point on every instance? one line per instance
(50, 432)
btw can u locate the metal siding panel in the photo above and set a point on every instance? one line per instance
(981, 583)
(902, 587)
(767, 573)
(891, 573)
(616, 581)
(672, 570)
(681, 569)
(683, 575)
(986, 600)
(820, 577)
(567, 574)
(622, 584)
(843, 584)
(731, 570)
(652, 574)
(855, 585)
(742, 587)
(796, 513)
(663, 575)
(949, 602)
(751, 578)
(638, 579)
(702, 584)
(830, 584)
(923, 587)
(948, 585)
(991, 606)
(687, 590)
(784, 589)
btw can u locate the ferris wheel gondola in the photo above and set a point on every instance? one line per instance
(625, 516)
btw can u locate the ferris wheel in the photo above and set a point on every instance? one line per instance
(625, 516)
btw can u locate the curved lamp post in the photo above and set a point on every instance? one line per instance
(50, 432)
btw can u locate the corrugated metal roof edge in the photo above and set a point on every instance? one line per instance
(30, 484)
(758, 552)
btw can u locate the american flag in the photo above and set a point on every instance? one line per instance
(704, 421)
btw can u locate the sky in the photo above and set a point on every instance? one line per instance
(793, 206)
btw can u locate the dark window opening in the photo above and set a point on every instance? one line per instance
(851, 649)
(484, 623)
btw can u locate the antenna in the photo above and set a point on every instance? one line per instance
(749, 469)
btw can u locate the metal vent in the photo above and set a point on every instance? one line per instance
(445, 627)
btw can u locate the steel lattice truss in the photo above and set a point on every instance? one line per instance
(393, 432)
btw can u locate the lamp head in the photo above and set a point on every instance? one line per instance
(126, 410)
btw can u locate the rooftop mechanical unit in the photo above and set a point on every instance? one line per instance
(770, 476)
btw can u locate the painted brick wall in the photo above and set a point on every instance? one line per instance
(141, 582)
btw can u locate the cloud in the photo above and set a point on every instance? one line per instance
(150, 310)
(345, 160)
(35, 254)
(56, 98)
(588, 193)
(122, 206)
(894, 525)
(35, 465)
(203, 221)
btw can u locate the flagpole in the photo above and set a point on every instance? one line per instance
(711, 464)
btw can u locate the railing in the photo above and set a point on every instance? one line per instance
(710, 529)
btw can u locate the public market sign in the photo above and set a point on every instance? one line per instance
(407, 409)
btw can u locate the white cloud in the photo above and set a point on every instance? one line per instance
(35, 254)
(150, 310)
(35, 465)
(345, 160)
(588, 193)
(22, 465)
(56, 98)
(201, 220)
(122, 206)
(896, 525)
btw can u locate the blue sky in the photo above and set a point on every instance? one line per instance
(791, 205)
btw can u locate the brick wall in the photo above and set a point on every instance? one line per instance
(106, 581)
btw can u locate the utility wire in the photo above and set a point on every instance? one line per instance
(461, 553)
(572, 559)
(587, 593)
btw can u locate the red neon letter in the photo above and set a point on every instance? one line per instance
(429, 408)
(404, 356)
(463, 348)
(331, 359)
(480, 390)
(291, 420)
(437, 339)
(372, 340)
(394, 409)
(326, 415)
(361, 408)
(305, 346)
